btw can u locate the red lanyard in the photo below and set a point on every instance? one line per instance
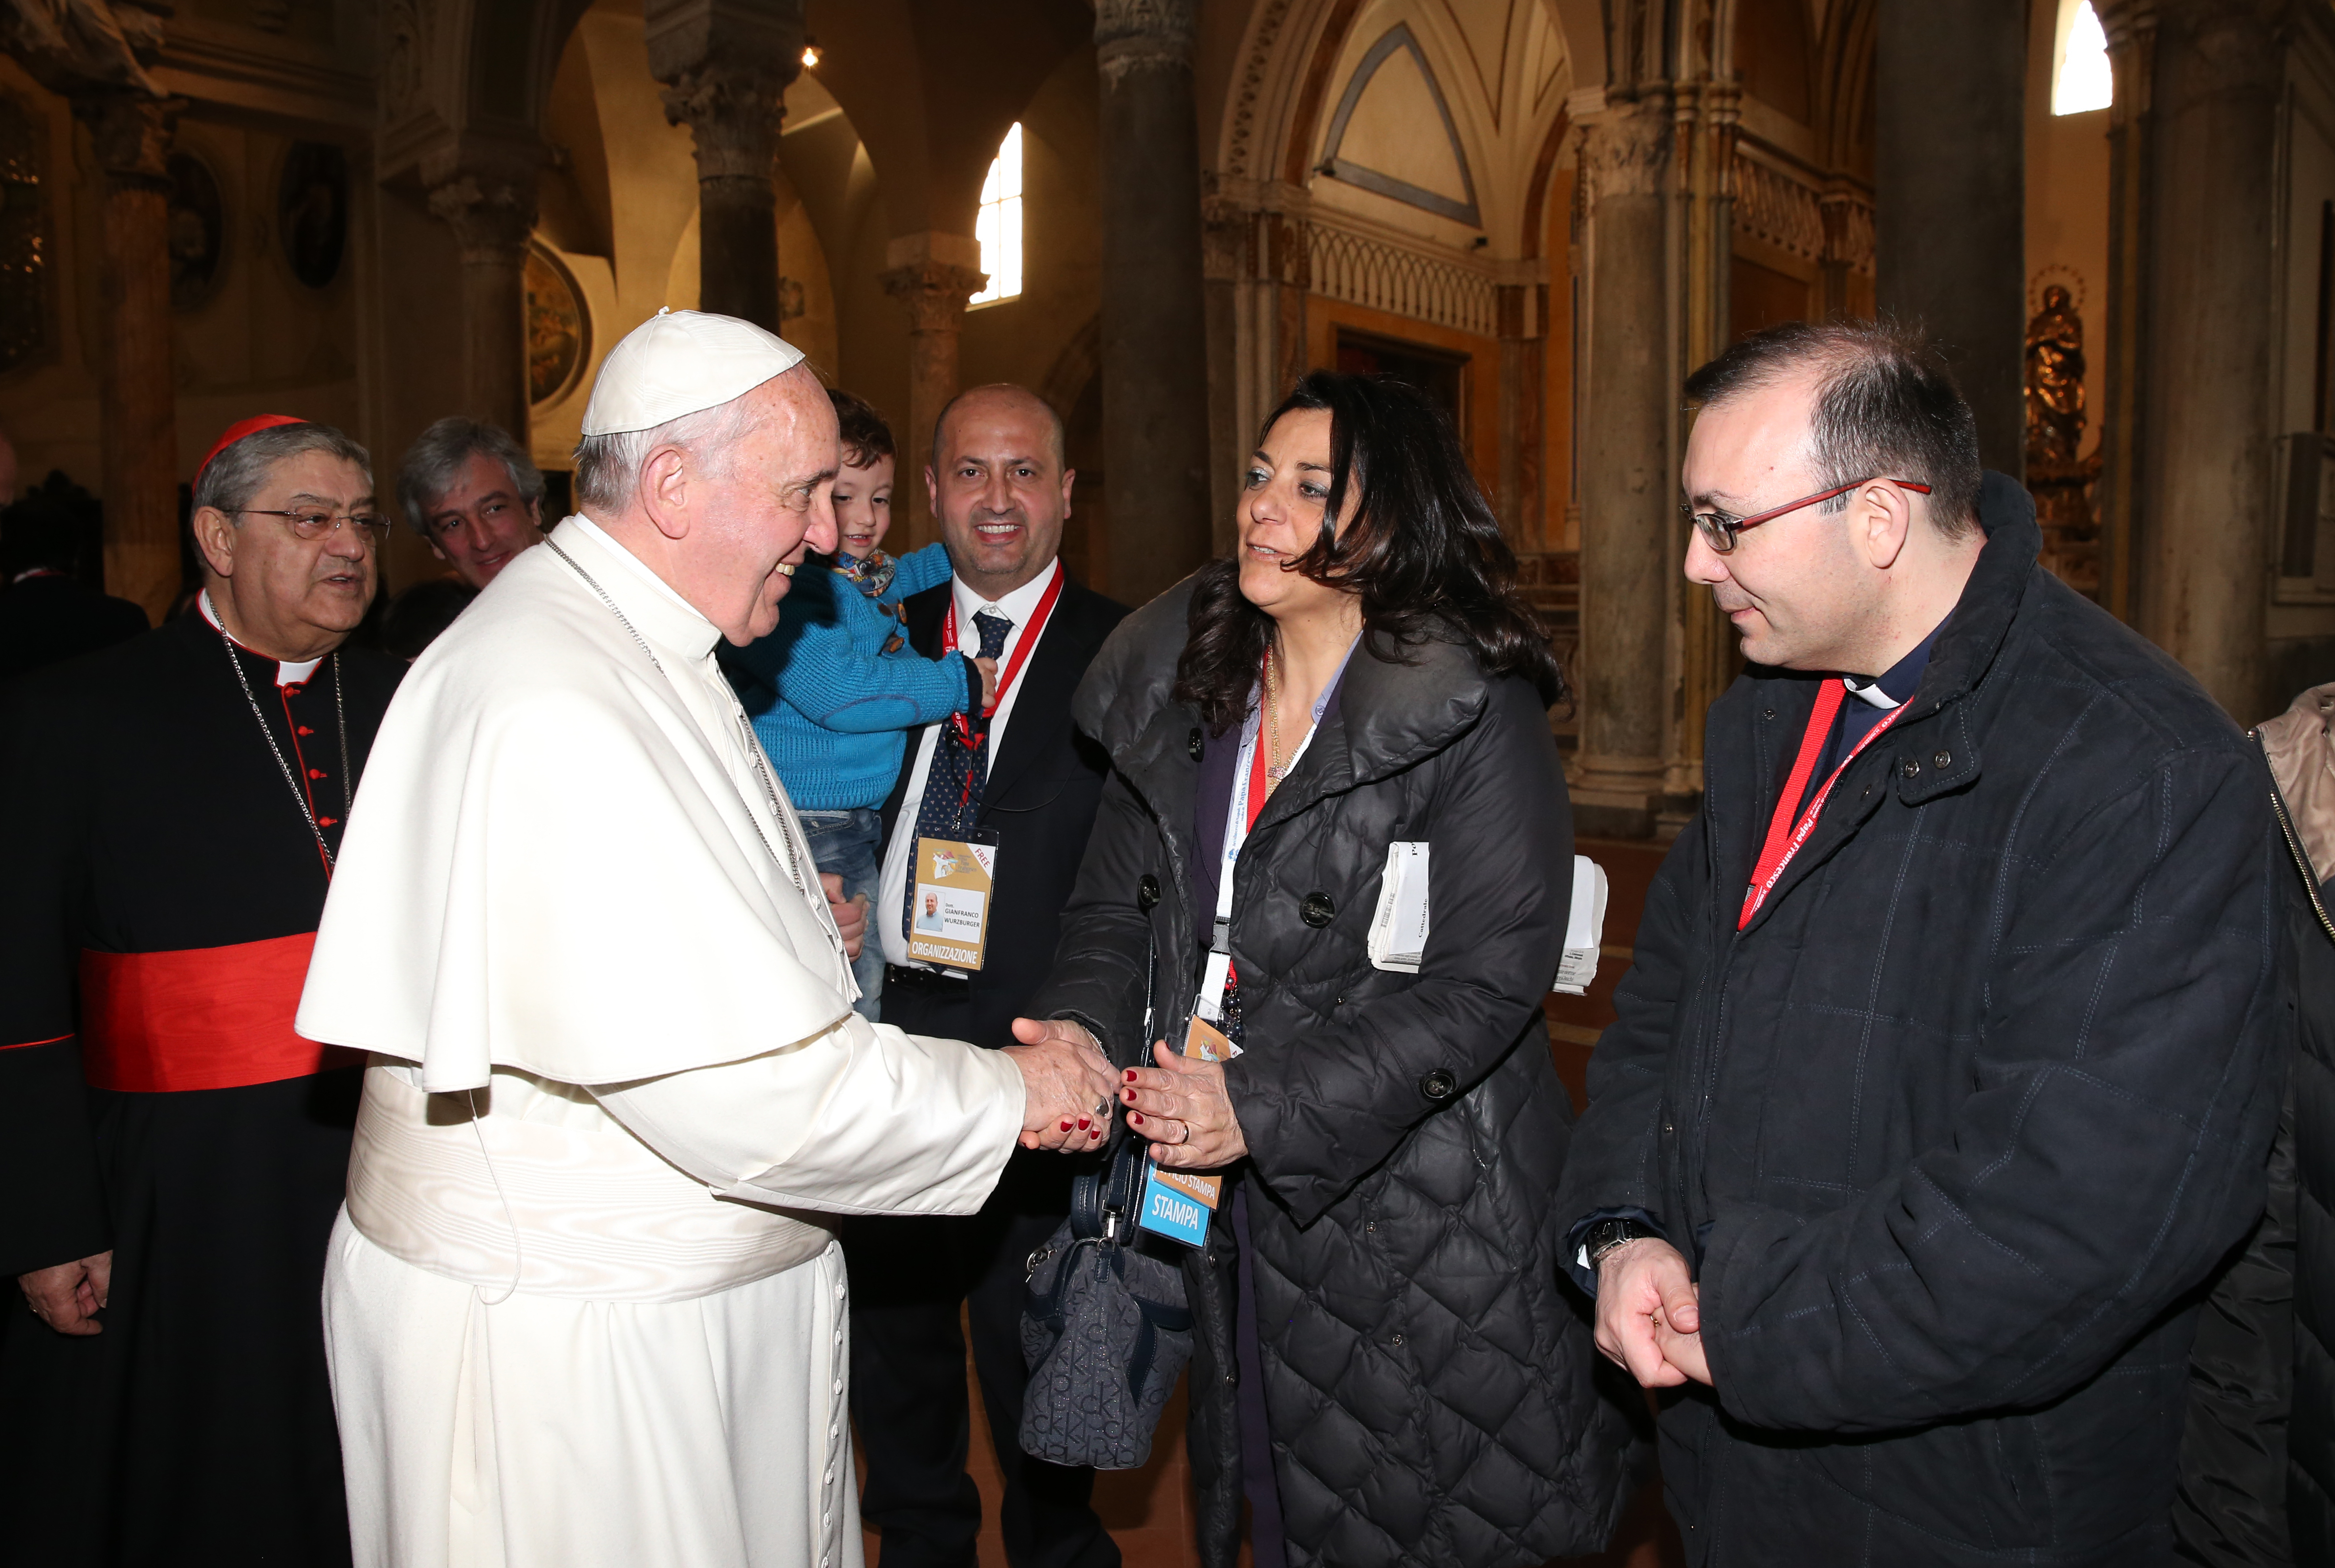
(1784, 837)
(1005, 677)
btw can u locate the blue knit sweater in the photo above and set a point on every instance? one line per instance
(832, 708)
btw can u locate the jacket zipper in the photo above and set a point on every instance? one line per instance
(2294, 847)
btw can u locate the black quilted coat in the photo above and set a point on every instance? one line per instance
(1432, 1390)
(1956, 1129)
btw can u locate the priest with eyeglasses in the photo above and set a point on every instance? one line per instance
(585, 1305)
(171, 1150)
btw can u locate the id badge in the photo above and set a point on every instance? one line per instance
(948, 921)
(1176, 1203)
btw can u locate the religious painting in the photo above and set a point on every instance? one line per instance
(198, 230)
(558, 334)
(312, 210)
(24, 251)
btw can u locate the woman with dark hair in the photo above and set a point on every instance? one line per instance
(1386, 1365)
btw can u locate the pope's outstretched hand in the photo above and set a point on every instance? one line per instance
(1066, 1081)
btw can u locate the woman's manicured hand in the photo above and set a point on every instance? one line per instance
(1182, 1108)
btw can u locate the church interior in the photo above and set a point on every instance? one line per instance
(2116, 216)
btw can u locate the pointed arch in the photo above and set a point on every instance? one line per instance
(1398, 44)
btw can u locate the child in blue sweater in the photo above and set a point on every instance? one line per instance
(834, 692)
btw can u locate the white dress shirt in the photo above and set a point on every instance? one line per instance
(1018, 607)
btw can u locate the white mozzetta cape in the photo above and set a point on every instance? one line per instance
(561, 867)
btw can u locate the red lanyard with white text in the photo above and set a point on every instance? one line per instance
(1785, 835)
(1251, 783)
(1012, 668)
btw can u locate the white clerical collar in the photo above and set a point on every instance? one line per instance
(287, 674)
(648, 601)
(1017, 606)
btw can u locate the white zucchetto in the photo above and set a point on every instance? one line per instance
(680, 362)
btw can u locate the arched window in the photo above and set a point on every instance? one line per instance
(2080, 80)
(999, 227)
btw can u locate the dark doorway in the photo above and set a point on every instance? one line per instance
(1440, 374)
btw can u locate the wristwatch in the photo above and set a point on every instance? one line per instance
(1606, 1234)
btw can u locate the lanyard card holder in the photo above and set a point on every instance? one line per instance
(1179, 1204)
(949, 907)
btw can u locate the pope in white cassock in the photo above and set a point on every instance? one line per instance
(584, 1303)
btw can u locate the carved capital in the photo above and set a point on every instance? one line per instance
(1626, 150)
(131, 134)
(492, 217)
(733, 111)
(934, 292)
(726, 65)
(1143, 36)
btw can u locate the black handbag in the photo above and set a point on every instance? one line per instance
(1106, 1328)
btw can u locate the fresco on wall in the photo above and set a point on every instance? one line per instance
(311, 209)
(559, 336)
(198, 229)
(24, 334)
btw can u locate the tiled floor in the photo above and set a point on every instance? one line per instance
(1148, 1511)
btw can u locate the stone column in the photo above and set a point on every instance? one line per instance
(931, 275)
(2205, 543)
(726, 65)
(1154, 370)
(2122, 343)
(1951, 163)
(1523, 321)
(492, 213)
(1628, 492)
(137, 389)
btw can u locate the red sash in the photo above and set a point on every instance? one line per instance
(199, 1018)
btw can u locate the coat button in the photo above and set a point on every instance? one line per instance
(1146, 894)
(1194, 746)
(1943, 759)
(1438, 1086)
(1317, 911)
(1396, 1341)
(1766, 712)
(1909, 767)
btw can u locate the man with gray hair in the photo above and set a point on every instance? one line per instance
(173, 1151)
(473, 494)
(1947, 1067)
(585, 1300)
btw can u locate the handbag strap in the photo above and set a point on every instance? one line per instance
(1103, 1200)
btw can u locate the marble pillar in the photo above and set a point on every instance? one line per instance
(137, 387)
(726, 65)
(1155, 370)
(931, 275)
(492, 213)
(2204, 539)
(1949, 163)
(1628, 492)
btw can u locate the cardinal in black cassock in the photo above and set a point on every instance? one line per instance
(173, 805)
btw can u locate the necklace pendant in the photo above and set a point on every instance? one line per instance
(1276, 774)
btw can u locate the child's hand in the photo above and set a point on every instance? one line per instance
(988, 668)
(851, 914)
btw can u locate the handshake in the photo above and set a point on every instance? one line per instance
(1067, 1085)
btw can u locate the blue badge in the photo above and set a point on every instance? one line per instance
(1168, 1213)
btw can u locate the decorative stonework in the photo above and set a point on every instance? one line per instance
(1250, 88)
(1402, 281)
(492, 218)
(1142, 35)
(131, 135)
(933, 292)
(733, 109)
(1626, 150)
(1772, 206)
(91, 45)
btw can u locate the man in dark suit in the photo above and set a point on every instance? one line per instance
(1022, 783)
(47, 615)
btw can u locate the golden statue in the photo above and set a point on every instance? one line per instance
(2060, 480)
(2055, 381)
